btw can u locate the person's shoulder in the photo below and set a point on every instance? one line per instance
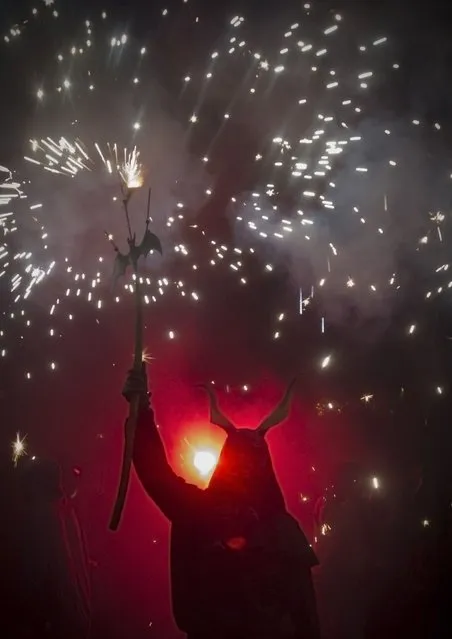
(196, 494)
(293, 540)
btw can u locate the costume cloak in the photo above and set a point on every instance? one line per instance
(240, 563)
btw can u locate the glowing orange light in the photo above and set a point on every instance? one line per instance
(204, 461)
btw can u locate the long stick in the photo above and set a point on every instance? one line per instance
(127, 455)
(129, 436)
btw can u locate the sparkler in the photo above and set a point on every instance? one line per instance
(131, 171)
(132, 178)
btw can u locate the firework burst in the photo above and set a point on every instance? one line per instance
(323, 174)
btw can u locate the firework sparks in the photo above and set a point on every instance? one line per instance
(146, 357)
(301, 199)
(375, 483)
(19, 448)
(131, 171)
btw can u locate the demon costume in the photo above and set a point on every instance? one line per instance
(240, 564)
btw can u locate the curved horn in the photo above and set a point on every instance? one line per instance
(280, 413)
(216, 416)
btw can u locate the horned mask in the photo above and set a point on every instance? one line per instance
(245, 461)
(278, 415)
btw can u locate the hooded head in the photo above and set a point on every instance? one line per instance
(244, 470)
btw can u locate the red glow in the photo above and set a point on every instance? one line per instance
(236, 543)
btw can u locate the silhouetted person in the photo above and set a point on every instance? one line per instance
(49, 558)
(240, 564)
(10, 585)
(343, 549)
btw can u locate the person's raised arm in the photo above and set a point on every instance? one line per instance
(171, 494)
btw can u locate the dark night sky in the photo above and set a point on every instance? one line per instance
(227, 339)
